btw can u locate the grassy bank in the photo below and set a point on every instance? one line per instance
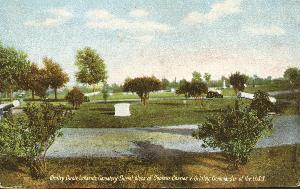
(277, 164)
(156, 113)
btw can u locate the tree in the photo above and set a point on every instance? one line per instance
(184, 88)
(261, 104)
(13, 64)
(105, 92)
(116, 88)
(292, 75)
(194, 89)
(92, 68)
(165, 83)
(34, 80)
(197, 89)
(75, 97)
(55, 76)
(142, 86)
(238, 81)
(207, 77)
(235, 132)
(28, 136)
(196, 76)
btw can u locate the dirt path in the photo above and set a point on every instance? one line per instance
(155, 142)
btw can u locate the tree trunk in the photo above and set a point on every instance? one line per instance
(55, 93)
(32, 94)
(36, 169)
(11, 94)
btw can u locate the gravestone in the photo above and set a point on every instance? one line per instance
(16, 103)
(122, 109)
(224, 84)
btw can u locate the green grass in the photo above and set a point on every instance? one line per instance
(277, 164)
(156, 113)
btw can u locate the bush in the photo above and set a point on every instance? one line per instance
(235, 132)
(28, 136)
(75, 97)
(261, 104)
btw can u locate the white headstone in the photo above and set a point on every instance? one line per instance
(224, 84)
(173, 90)
(16, 103)
(122, 109)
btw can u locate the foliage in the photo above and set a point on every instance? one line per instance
(238, 81)
(55, 76)
(142, 86)
(165, 83)
(196, 76)
(35, 80)
(115, 88)
(92, 69)
(207, 77)
(75, 97)
(105, 92)
(292, 75)
(13, 65)
(194, 89)
(261, 104)
(184, 88)
(29, 136)
(197, 89)
(235, 132)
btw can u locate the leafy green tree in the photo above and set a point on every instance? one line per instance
(35, 81)
(75, 97)
(207, 77)
(13, 64)
(196, 76)
(105, 92)
(165, 83)
(142, 86)
(238, 81)
(261, 104)
(28, 136)
(92, 68)
(235, 132)
(292, 75)
(55, 76)
(116, 88)
(184, 88)
(197, 89)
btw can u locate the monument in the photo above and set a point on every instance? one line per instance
(122, 109)
(224, 84)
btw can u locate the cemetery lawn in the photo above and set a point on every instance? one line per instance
(277, 164)
(156, 113)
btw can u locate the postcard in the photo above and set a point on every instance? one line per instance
(149, 94)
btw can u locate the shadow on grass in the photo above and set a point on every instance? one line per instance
(212, 110)
(102, 109)
(167, 104)
(152, 153)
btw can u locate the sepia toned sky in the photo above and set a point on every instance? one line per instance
(165, 38)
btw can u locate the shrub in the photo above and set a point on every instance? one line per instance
(235, 132)
(75, 97)
(29, 136)
(261, 104)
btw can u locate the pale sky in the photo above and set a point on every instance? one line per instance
(165, 38)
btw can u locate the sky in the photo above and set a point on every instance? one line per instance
(164, 38)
